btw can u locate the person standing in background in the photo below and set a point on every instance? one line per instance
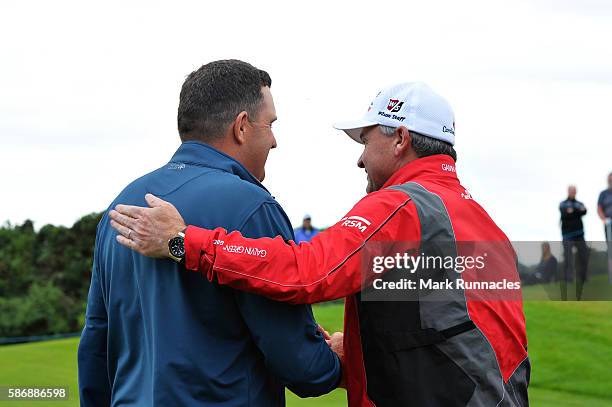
(547, 269)
(572, 231)
(307, 231)
(604, 210)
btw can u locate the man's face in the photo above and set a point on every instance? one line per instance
(571, 192)
(306, 223)
(377, 158)
(259, 136)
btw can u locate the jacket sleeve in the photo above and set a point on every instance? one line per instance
(94, 386)
(565, 215)
(579, 211)
(287, 335)
(327, 268)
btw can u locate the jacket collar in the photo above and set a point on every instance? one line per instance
(204, 155)
(440, 167)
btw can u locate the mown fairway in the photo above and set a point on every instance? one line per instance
(570, 345)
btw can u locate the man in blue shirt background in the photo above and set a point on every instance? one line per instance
(306, 232)
(155, 337)
(604, 208)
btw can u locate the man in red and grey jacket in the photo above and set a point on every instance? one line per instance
(465, 345)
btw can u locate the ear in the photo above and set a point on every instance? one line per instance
(403, 141)
(239, 127)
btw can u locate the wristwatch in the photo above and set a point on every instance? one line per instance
(176, 247)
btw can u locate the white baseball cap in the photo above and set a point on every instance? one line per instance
(413, 105)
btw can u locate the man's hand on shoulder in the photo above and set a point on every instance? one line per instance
(147, 230)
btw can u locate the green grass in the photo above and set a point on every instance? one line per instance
(51, 363)
(596, 288)
(570, 345)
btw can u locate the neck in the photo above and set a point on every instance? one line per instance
(406, 159)
(224, 146)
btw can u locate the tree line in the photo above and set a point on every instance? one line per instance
(44, 276)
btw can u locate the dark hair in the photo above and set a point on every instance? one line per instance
(213, 95)
(425, 146)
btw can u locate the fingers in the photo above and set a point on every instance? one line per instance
(123, 230)
(324, 332)
(130, 210)
(154, 201)
(131, 244)
(122, 219)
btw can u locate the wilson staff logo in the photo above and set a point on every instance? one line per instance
(394, 105)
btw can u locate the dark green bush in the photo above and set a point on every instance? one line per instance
(44, 276)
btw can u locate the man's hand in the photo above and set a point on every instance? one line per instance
(323, 332)
(336, 343)
(147, 230)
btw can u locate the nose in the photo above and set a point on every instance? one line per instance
(360, 163)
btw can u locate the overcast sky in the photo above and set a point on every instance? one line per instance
(89, 91)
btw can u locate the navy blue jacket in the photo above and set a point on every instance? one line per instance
(157, 335)
(571, 223)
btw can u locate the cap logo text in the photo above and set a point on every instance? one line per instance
(448, 130)
(391, 116)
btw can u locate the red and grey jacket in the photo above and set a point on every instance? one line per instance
(456, 347)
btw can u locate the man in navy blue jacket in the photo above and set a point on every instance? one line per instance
(155, 337)
(572, 232)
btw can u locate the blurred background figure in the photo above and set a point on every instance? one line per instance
(547, 269)
(572, 231)
(604, 210)
(306, 231)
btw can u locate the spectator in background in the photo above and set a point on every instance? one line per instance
(307, 231)
(547, 269)
(604, 208)
(572, 231)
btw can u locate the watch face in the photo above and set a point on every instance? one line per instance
(177, 247)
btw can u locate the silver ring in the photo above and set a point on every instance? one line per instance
(129, 233)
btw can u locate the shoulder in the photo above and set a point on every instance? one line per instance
(223, 188)
(382, 201)
(379, 208)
